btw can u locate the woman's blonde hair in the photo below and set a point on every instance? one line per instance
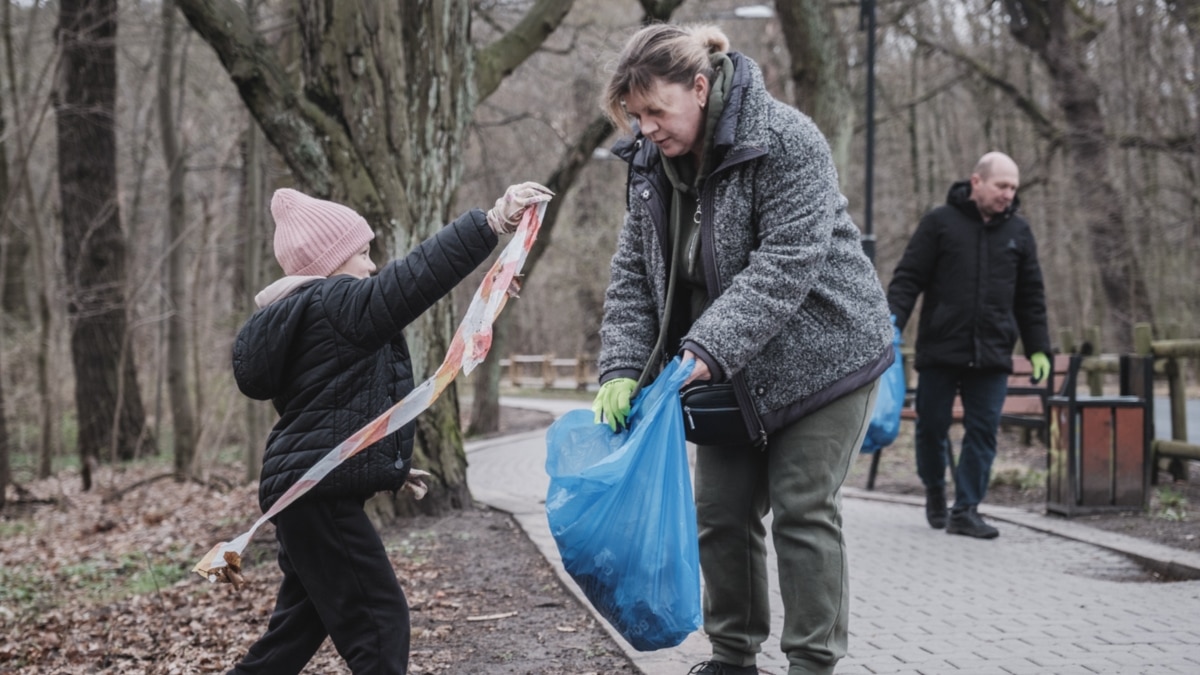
(661, 51)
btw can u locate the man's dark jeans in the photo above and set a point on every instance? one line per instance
(983, 395)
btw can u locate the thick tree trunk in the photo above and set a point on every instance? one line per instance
(108, 402)
(1054, 31)
(183, 422)
(819, 71)
(388, 89)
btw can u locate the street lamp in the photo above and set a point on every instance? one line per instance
(755, 12)
(866, 22)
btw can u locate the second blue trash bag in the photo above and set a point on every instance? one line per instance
(621, 511)
(885, 420)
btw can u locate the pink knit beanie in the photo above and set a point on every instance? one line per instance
(314, 237)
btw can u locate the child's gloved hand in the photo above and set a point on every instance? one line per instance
(415, 483)
(1041, 366)
(506, 214)
(613, 401)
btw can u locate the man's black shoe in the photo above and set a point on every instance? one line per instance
(968, 522)
(718, 668)
(935, 507)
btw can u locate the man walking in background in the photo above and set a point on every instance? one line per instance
(976, 262)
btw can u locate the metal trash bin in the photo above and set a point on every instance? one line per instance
(1099, 445)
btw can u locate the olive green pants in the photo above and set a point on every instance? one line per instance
(797, 477)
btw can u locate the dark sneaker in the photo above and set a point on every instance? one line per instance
(970, 523)
(935, 508)
(718, 668)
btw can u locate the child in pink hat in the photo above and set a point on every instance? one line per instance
(327, 348)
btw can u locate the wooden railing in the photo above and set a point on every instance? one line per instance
(546, 371)
(1169, 360)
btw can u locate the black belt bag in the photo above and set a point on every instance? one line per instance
(711, 415)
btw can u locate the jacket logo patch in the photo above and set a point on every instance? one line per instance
(1012, 243)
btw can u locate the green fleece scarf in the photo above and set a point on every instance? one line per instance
(686, 179)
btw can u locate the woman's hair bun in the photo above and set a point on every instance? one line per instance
(713, 39)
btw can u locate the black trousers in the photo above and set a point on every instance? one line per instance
(337, 581)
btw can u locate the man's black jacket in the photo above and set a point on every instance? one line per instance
(982, 284)
(331, 357)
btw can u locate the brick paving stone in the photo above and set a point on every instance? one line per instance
(1026, 602)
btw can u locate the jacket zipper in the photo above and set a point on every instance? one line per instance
(741, 390)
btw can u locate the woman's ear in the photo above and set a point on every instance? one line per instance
(700, 89)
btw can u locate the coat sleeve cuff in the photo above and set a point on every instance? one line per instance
(620, 372)
(718, 373)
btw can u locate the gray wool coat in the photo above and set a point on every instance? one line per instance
(798, 317)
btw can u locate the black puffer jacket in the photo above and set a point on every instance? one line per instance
(331, 357)
(982, 285)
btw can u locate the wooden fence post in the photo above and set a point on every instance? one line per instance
(1177, 391)
(581, 371)
(514, 368)
(548, 374)
(1143, 335)
(1095, 378)
(1066, 340)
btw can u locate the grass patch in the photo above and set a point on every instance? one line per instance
(1171, 504)
(103, 579)
(30, 589)
(23, 587)
(1020, 479)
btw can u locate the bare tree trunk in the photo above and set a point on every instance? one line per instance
(183, 422)
(93, 245)
(819, 71)
(49, 432)
(485, 405)
(1059, 33)
(379, 124)
(485, 408)
(251, 228)
(5, 466)
(14, 244)
(5, 205)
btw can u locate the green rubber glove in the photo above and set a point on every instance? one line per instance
(1041, 366)
(613, 401)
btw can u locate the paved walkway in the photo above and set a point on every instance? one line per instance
(1049, 596)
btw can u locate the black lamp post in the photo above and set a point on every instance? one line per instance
(867, 22)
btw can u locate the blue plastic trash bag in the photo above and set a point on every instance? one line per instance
(621, 511)
(885, 420)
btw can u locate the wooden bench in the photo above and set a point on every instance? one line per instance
(1024, 405)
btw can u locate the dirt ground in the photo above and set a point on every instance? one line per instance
(95, 586)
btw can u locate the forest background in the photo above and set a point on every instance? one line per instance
(140, 143)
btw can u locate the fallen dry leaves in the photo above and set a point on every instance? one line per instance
(91, 584)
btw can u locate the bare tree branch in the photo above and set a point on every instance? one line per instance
(1171, 144)
(1042, 123)
(496, 61)
(293, 125)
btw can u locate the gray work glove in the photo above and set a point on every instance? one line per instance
(506, 214)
